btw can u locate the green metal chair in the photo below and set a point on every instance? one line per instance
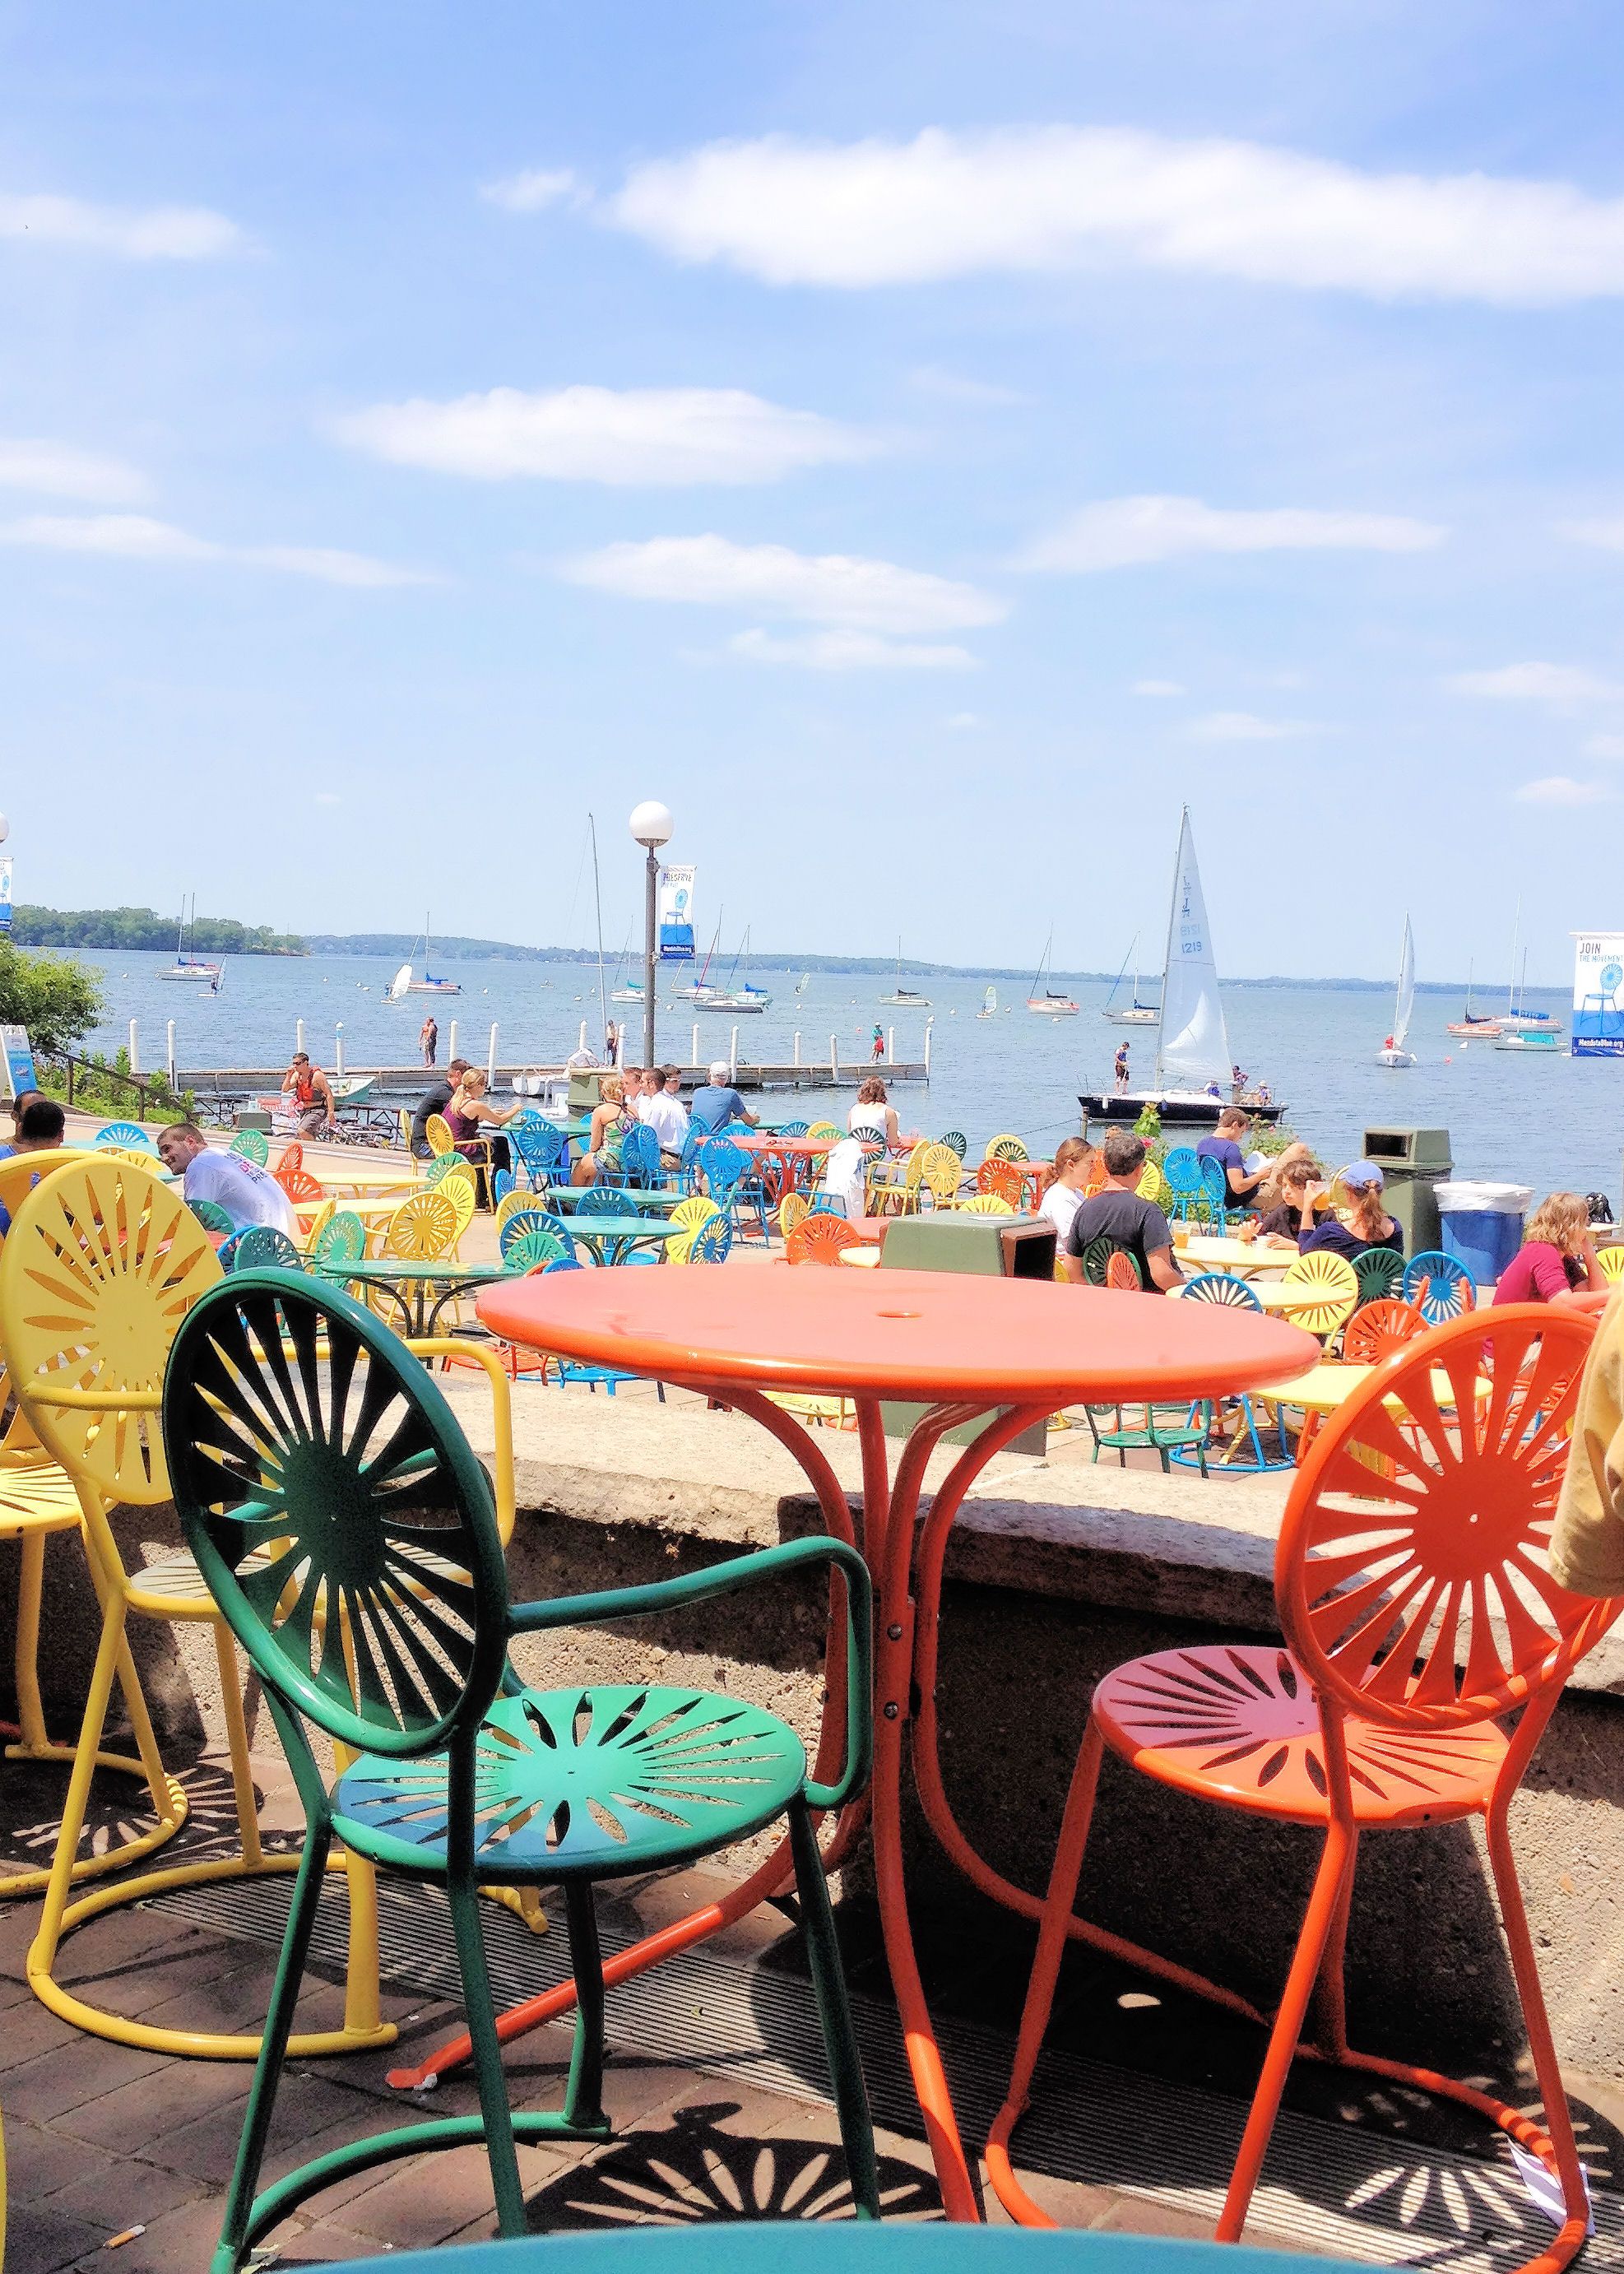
(342, 1239)
(1379, 1272)
(212, 1217)
(316, 1466)
(253, 1144)
(262, 1244)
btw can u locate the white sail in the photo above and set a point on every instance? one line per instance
(1192, 1048)
(399, 985)
(1406, 988)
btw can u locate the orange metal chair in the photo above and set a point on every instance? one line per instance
(820, 1239)
(1003, 1180)
(1419, 1617)
(1379, 1328)
(291, 1156)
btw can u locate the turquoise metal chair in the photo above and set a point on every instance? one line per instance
(314, 1463)
(1439, 1287)
(342, 1239)
(212, 1217)
(1181, 1172)
(1228, 1293)
(122, 1136)
(262, 1244)
(956, 1139)
(537, 1149)
(253, 1145)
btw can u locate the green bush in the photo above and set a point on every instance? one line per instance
(55, 997)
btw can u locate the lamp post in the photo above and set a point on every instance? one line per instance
(650, 825)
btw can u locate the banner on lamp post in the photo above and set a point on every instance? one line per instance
(5, 896)
(1599, 995)
(676, 914)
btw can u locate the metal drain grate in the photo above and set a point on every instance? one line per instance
(1329, 2187)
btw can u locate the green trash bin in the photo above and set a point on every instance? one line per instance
(989, 1246)
(1413, 1163)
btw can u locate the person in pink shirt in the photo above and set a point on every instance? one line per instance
(1556, 1262)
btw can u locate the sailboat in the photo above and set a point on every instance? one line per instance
(1530, 1030)
(701, 990)
(1393, 1052)
(736, 999)
(1136, 1013)
(800, 984)
(906, 999)
(1514, 1019)
(990, 1005)
(625, 990)
(1473, 1024)
(403, 983)
(196, 970)
(1048, 1004)
(1194, 1072)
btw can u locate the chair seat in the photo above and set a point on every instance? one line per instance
(584, 1783)
(1239, 1724)
(36, 1497)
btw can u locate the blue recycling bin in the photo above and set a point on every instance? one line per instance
(1482, 1225)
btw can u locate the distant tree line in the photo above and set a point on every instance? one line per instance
(144, 928)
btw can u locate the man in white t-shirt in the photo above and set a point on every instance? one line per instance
(248, 1193)
(667, 1115)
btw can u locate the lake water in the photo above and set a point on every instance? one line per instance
(1539, 1121)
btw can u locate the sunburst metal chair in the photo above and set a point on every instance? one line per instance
(307, 1489)
(1425, 1646)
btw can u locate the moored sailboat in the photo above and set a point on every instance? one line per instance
(1194, 1072)
(1050, 1003)
(732, 997)
(196, 970)
(905, 999)
(1133, 1013)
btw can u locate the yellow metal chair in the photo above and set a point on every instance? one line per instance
(317, 1224)
(511, 1203)
(1005, 1148)
(1324, 1290)
(793, 1208)
(985, 1204)
(436, 1129)
(424, 1227)
(1153, 1186)
(1611, 1262)
(825, 1132)
(941, 1172)
(891, 1193)
(690, 1215)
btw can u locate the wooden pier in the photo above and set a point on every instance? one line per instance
(403, 1085)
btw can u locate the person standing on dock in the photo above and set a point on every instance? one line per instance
(429, 1037)
(878, 1051)
(1120, 1070)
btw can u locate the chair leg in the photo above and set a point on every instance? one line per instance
(834, 2013)
(273, 2050)
(1325, 1905)
(501, 2153)
(583, 2094)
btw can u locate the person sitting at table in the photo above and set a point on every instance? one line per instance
(1556, 1262)
(1223, 1145)
(248, 1193)
(667, 1115)
(612, 1113)
(1364, 1224)
(719, 1103)
(468, 1114)
(40, 1122)
(1283, 1200)
(435, 1100)
(1062, 1196)
(1118, 1214)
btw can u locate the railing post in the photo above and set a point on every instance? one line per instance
(68, 1061)
(490, 1064)
(733, 1056)
(797, 1059)
(929, 1024)
(891, 1045)
(451, 1042)
(834, 1057)
(169, 1044)
(298, 1035)
(693, 1047)
(338, 1050)
(135, 1048)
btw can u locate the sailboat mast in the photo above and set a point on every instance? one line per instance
(1167, 958)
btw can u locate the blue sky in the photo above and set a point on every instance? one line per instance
(923, 444)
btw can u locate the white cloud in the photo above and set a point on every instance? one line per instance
(1608, 534)
(1244, 726)
(831, 588)
(1157, 688)
(1127, 533)
(135, 536)
(59, 470)
(1603, 746)
(1535, 682)
(534, 190)
(1561, 789)
(848, 650)
(1053, 197)
(157, 233)
(664, 436)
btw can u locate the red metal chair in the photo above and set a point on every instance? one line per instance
(1418, 1615)
(820, 1239)
(1379, 1328)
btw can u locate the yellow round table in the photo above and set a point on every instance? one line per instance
(1240, 1256)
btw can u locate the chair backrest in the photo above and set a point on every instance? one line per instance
(603, 1200)
(1439, 1286)
(710, 1243)
(793, 1208)
(1411, 1572)
(1181, 1170)
(301, 1187)
(1612, 1261)
(940, 1171)
(291, 1156)
(436, 1129)
(640, 1156)
(253, 1145)
(999, 1176)
(1216, 1184)
(985, 1204)
(534, 1248)
(956, 1139)
(515, 1224)
(342, 1239)
(1377, 1330)
(123, 1136)
(694, 1211)
(292, 1416)
(212, 1217)
(1122, 1271)
(1223, 1288)
(1004, 1149)
(448, 1164)
(1379, 1272)
(820, 1239)
(1152, 1185)
(1324, 1290)
(510, 1203)
(101, 1265)
(793, 1129)
(824, 1131)
(464, 1197)
(421, 1229)
(320, 1222)
(536, 1142)
(1098, 1257)
(263, 1246)
(723, 1165)
(502, 1187)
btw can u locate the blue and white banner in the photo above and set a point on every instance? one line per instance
(676, 915)
(1599, 995)
(5, 896)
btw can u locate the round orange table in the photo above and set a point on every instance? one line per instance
(784, 1161)
(1014, 1349)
